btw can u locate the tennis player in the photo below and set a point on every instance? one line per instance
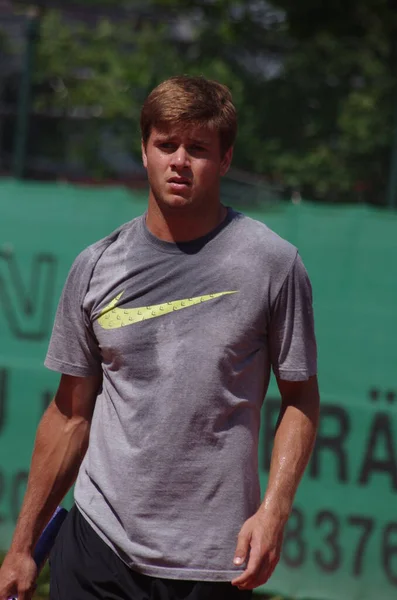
(165, 336)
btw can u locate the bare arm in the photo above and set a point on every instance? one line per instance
(60, 446)
(293, 444)
(261, 536)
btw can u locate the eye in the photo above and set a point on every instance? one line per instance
(197, 148)
(166, 145)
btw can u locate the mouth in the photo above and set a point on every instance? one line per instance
(179, 182)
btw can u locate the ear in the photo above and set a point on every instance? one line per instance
(226, 161)
(144, 155)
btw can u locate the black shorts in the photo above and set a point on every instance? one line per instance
(83, 567)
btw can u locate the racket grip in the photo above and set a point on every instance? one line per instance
(47, 539)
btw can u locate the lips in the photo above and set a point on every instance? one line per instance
(182, 181)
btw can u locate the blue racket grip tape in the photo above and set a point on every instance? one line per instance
(47, 539)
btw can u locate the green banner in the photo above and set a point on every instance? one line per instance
(341, 540)
(42, 229)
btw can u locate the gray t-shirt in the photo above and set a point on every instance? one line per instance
(185, 336)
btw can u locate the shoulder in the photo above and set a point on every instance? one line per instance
(86, 261)
(92, 253)
(264, 242)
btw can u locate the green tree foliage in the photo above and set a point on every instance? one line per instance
(98, 75)
(344, 67)
(315, 89)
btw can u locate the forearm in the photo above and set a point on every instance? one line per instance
(60, 445)
(293, 444)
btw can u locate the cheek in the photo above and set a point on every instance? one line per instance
(156, 167)
(208, 175)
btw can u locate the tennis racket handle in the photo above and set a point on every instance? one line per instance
(47, 539)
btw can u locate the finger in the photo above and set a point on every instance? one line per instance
(243, 544)
(272, 565)
(25, 594)
(8, 594)
(22, 595)
(263, 576)
(254, 565)
(9, 591)
(254, 582)
(6, 591)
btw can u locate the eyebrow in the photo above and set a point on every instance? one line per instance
(162, 137)
(200, 141)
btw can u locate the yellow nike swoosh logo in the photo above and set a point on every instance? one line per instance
(112, 317)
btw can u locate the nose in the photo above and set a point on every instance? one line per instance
(180, 158)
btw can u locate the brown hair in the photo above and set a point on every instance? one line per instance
(193, 101)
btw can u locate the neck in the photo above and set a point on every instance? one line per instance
(184, 224)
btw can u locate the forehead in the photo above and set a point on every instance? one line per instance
(185, 133)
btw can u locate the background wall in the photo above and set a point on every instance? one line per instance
(341, 540)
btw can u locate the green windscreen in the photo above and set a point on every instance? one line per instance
(341, 539)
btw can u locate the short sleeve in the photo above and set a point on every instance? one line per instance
(73, 348)
(292, 342)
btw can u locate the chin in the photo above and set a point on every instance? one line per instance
(176, 202)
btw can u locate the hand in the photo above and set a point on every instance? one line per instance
(17, 576)
(259, 542)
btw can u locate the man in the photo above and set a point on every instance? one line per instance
(165, 335)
